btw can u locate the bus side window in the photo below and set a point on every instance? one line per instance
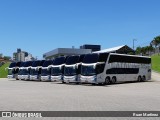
(110, 71)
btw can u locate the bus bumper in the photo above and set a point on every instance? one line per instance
(56, 78)
(71, 79)
(88, 79)
(10, 76)
(26, 77)
(22, 77)
(34, 77)
(19, 77)
(45, 78)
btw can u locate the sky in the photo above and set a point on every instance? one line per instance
(39, 26)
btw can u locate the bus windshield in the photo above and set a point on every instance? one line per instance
(88, 70)
(10, 71)
(68, 71)
(20, 72)
(45, 72)
(34, 72)
(25, 72)
(56, 71)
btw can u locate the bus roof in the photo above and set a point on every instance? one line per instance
(72, 59)
(47, 63)
(38, 63)
(28, 63)
(59, 60)
(13, 64)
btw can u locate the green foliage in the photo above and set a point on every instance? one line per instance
(3, 72)
(138, 50)
(144, 50)
(7, 57)
(156, 41)
(156, 62)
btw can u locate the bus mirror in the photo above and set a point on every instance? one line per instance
(48, 68)
(6, 68)
(77, 65)
(74, 67)
(94, 66)
(60, 67)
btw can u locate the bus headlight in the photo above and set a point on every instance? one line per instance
(95, 78)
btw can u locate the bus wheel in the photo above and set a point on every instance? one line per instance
(144, 78)
(139, 79)
(77, 83)
(107, 81)
(113, 81)
(63, 82)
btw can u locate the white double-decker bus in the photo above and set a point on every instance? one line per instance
(109, 68)
(26, 70)
(21, 70)
(57, 69)
(46, 70)
(11, 70)
(72, 69)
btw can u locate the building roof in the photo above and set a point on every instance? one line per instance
(66, 51)
(114, 49)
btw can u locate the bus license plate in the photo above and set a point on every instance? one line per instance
(86, 81)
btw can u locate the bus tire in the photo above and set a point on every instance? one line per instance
(113, 81)
(139, 79)
(107, 81)
(63, 82)
(77, 83)
(143, 78)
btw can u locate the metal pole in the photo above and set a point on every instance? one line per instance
(133, 42)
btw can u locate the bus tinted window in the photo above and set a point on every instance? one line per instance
(47, 63)
(18, 64)
(28, 63)
(12, 65)
(41, 63)
(122, 71)
(81, 58)
(59, 61)
(129, 59)
(72, 60)
(22, 64)
(36, 63)
(103, 57)
(90, 58)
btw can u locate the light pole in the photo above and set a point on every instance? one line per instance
(133, 42)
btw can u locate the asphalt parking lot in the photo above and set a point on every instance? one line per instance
(17, 95)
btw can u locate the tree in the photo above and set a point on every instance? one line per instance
(6, 57)
(138, 50)
(156, 42)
